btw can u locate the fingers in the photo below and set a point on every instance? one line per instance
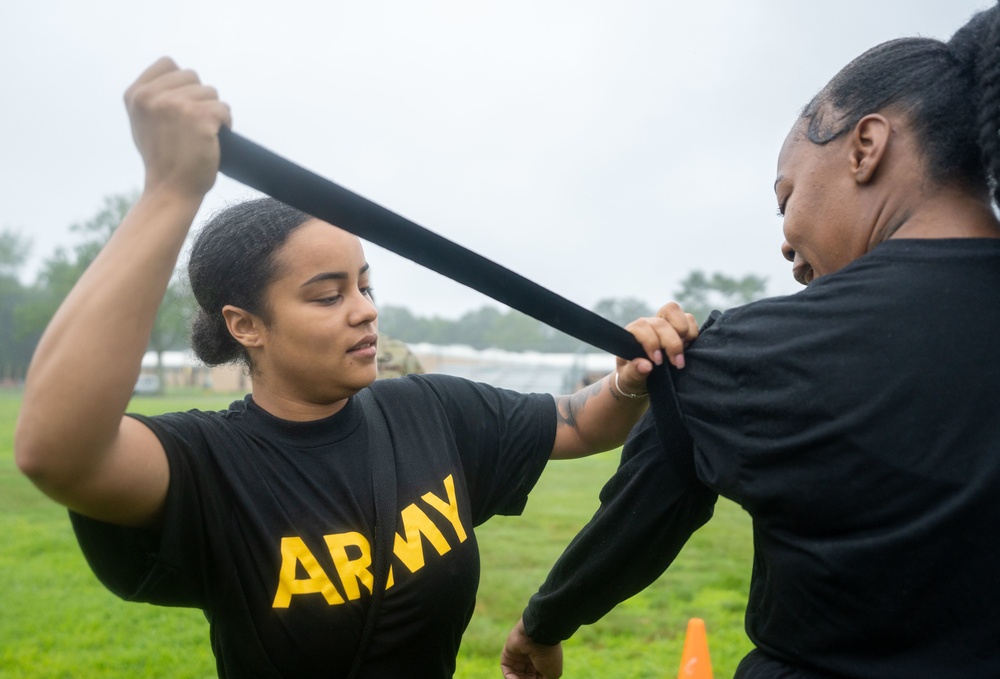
(684, 323)
(515, 666)
(522, 658)
(155, 70)
(164, 81)
(670, 331)
(175, 122)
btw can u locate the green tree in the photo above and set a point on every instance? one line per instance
(399, 322)
(173, 318)
(98, 229)
(60, 272)
(16, 345)
(623, 310)
(515, 331)
(14, 251)
(701, 294)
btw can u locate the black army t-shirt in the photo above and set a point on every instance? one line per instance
(857, 423)
(269, 524)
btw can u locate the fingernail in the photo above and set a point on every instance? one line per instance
(658, 357)
(679, 361)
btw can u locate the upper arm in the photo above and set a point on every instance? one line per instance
(126, 485)
(568, 443)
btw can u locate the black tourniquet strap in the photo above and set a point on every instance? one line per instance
(384, 491)
(265, 171)
(261, 169)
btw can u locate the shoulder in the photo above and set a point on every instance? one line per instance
(186, 428)
(440, 387)
(458, 398)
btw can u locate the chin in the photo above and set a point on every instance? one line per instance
(366, 380)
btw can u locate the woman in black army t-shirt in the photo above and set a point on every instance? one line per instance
(263, 515)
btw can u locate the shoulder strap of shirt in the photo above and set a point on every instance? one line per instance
(383, 468)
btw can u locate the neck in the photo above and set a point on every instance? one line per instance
(946, 213)
(295, 408)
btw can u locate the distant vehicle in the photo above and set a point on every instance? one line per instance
(147, 384)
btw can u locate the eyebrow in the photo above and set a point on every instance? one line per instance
(333, 276)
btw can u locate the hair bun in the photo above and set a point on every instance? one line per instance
(976, 37)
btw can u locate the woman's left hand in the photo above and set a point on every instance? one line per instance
(667, 333)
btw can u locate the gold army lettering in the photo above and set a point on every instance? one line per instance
(408, 549)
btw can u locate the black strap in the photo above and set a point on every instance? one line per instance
(261, 169)
(384, 492)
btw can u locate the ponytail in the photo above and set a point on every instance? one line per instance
(976, 46)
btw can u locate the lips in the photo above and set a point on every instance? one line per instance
(803, 273)
(365, 346)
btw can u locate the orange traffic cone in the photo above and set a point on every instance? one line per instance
(695, 663)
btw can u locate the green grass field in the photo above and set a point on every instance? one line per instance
(58, 621)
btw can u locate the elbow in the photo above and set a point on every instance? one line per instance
(29, 440)
(36, 455)
(28, 453)
(44, 467)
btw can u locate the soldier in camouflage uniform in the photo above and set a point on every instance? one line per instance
(395, 359)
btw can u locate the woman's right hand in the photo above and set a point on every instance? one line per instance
(522, 658)
(175, 123)
(83, 451)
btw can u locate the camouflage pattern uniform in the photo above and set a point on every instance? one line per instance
(395, 359)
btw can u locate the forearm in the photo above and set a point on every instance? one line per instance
(601, 416)
(83, 371)
(595, 419)
(648, 511)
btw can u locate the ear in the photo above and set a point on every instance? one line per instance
(869, 142)
(245, 327)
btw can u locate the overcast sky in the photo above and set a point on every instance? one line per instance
(602, 149)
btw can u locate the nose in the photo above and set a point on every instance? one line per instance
(364, 310)
(787, 252)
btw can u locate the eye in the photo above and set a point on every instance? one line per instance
(368, 292)
(329, 301)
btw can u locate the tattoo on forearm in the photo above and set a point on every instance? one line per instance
(569, 407)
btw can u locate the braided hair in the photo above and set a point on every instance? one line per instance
(950, 93)
(233, 260)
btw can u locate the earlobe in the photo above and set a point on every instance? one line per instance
(869, 142)
(244, 326)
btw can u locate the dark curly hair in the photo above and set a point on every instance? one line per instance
(233, 262)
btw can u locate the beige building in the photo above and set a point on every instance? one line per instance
(521, 371)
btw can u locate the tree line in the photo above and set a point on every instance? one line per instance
(25, 310)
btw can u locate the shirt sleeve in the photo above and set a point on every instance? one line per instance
(149, 565)
(504, 438)
(648, 503)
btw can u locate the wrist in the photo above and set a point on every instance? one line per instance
(616, 384)
(533, 629)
